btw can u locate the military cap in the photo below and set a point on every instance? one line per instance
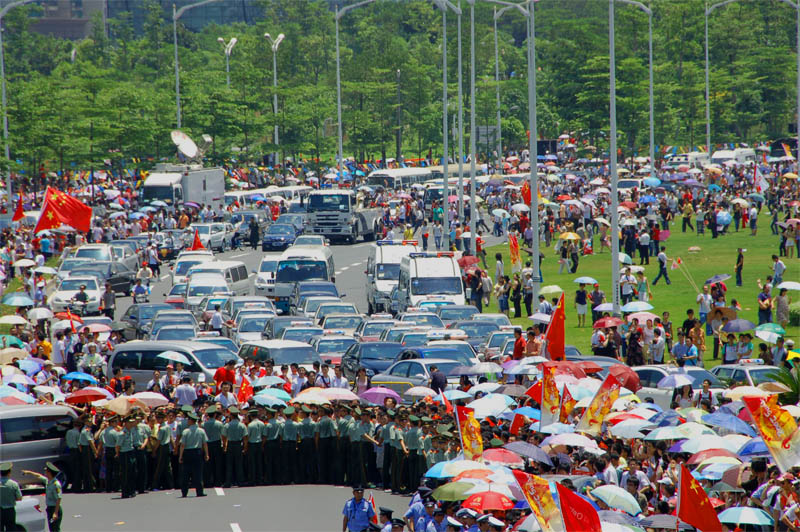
(357, 411)
(426, 419)
(374, 527)
(358, 487)
(429, 504)
(484, 517)
(253, 411)
(270, 410)
(187, 409)
(194, 416)
(493, 521)
(413, 418)
(305, 409)
(52, 467)
(385, 511)
(438, 511)
(466, 512)
(390, 413)
(233, 410)
(441, 429)
(496, 442)
(289, 410)
(211, 409)
(454, 523)
(5, 467)
(397, 522)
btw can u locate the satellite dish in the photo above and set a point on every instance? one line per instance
(184, 144)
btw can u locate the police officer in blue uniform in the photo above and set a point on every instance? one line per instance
(357, 512)
(385, 518)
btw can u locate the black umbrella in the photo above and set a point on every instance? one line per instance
(529, 450)
(663, 521)
(514, 390)
(610, 516)
(739, 325)
(718, 278)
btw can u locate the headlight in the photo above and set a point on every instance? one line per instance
(260, 281)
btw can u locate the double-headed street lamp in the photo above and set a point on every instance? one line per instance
(3, 12)
(339, 13)
(274, 44)
(228, 48)
(176, 14)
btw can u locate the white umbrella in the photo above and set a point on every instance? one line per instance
(789, 285)
(13, 319)
(45, 270)
(419, 391)
(40, 313)
(540, 317)
(151, 399)
(66, 324)
(24, 263)
(491, 405)
(175, 357)
(520, 207)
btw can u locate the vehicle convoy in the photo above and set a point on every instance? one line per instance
(431, 275)
(298, 264)
(383, 271)
(340, 213)
(176, 184)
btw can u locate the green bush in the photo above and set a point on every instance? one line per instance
(794, 313)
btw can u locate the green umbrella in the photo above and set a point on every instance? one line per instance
(452, 491)
(771, 327)
(6, 340)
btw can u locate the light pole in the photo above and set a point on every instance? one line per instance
(176, 14)
(796, 7)
(612, 161)
(3, 12)
(460, 127)
(339, 13)
(228, 48)
(649, 13)
(274, 44)
(498, 136)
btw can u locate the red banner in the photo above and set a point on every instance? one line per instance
(600, 406)
(470, 430)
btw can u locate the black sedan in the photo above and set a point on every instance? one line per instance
(278, 237)
(137, 316)
(120, 276)
(297, 220)
(375, 357)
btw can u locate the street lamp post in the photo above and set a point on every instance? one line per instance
(274, 45)
(708, 100)
(460, 127)
(3, 12)
(176, 14)
(228, 48)
(339, 13)
(796, 7)
(612, 161)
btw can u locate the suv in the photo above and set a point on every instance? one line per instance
(748, 372)
(649, 377)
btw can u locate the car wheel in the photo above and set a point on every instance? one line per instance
(370, 309)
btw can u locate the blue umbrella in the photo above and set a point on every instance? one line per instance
(739, 325)
(652, 181)
(158, 203)
(743, 515)
(648, 199)
(529, 411)
(724, 218)
(636, 306)
(714, 187)
(275, 392)
(652, 406)
(17, 299)
(268, 400)
(147, 208)
(718, 278)
(257, 197)
(522, 370)
(699, 475)
(269, 380)
(585, 280)
(754, 447)
(556, 428)
(437, 471)
(728, 422)
(136, 215)
(667, 418)
(454, 395)
(28, 366)
(79, 376)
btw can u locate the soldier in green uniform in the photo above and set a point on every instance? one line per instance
(399, 453)
(162, 478)
(9, 495)
(368, 443)
(141, 454)
(326, 440)
(386, 440)
(194, 449)
(344, 423)
(215, 469)
(272, 448)
(307, 447)
(88, 452)
(52, 495)
(413, 442)
(289, 447)
(124, 451)
(255, 449)
(234, 434)
(74, 454)
(109, 432)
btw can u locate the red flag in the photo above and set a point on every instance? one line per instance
(577, 513)
(245, 390)
(69, 210)
(48, 218)
(693, 504)
(555, 332)
(526, 192)
(197, 244)
(371, 500)
(19, 214)
(447, 404)
(535, 392)
(519, 420)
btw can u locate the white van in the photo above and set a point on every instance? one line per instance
(425, 276)
(186, 261)
(692, 158)
(201, 285)
(720, 156)
(265, 276)
(383, 271)
(297, 264)
(234, 272)
(744, 155)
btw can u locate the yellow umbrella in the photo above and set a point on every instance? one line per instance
(789, 175)
(569, 236)
(718, 460)
(737, 393)
(772, 386)
(793, 354)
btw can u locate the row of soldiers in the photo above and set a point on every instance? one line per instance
(325, 444)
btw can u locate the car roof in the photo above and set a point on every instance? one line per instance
(277, 343)
(429, 361)
(162, 344)
(82, 278)
(745, 366)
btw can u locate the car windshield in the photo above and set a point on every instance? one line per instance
(290, 271)
(313, 305)
(175, 333)
(327, 308)
(206, 289)
(214, 358)
(296, 206)
(423, 286)
(93, 253)
(414, 339)
(375, 329)
(227, 343)
(319, 289)
(177, 289)
(172, 322)
(478, 329)
(457, 313)
(329, 202)
(202, 229)
(309, 241)
(294, 355)
(388, 272)
(214, 301)
(460, 353)
(101, 272)
(761, 375)
(280, 229)
(380, 351)
(71, 264)
(237, 305)
(253, 324)
(342, 322)
(147, 313)
(424, 319)
(394, 335)
(268, 266)
(448, 367)
(75, 284)
(300, 334)
(699, 375)
(334, 345)
(183, 266)
(497, 340)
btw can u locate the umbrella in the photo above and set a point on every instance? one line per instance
(735, 394)
(609, 321)
(742, 515)
(13, 319)
(453, 395)
(151, 399)
(541, 317)
(739, 325)
(754, 447)
(420, 391)
(569, 236)
(676, 380)
(664, 521)
(488, 500)
(605, 307)
(502, 213)
(338, 394)
(625, 259)
(585, 280)
(79, 376)
(514, 390)
(718, 278)
(68, 316)
(771, 327)
(636, 306)
(45, 270)
(275, 392)
(630, 428)
(437, 471)
(491, 405)
(503, 457)
(551, 290)
(100, 328)
(528, 411)
(268, 400)
(84, 396)
(616, 497)
(378, 394)
(29, 366)
(641, 316)
(8, 354)
(17, 299)
(175, 357)
(268, 380)
(123, 405)
(24, 263)
(484, 387)
(520, 207)
(40, 313)
(571, 439)
(452, 491)
(529, 450)
(789, 285)
(459, 466)
(702, 456)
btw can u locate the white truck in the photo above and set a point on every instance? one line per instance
(383, 271)
(429, 276)
(176, 184)
(340, 214)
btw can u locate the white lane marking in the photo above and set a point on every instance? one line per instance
(235, 527)
(345, 268)
(219, 492)
(236, 257)
(164, 277)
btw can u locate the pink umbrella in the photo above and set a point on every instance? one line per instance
(95, 328)
(642, 316)
(378, 394)
(338, 394)
(504, 457)
(403, 196)
(452, 199)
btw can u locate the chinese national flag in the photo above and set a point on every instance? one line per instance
(61, 208)
(526, 192)
(577, 513)
(374, 518)
(48, 219)
(196, 244)
(447, 404)
(693, 504)
(19, 214)
(555, 332)
(245, 390)
(535, 392)
(519, 421)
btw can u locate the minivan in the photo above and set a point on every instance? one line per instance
(31, 436)
(234, 272)
(139, 358)
(200, 285)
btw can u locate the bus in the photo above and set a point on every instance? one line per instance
(395, 178)
(290, 193)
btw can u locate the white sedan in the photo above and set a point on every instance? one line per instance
(67, 289)
(212, 235)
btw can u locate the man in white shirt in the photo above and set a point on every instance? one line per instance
(626, 283)
(216, 320)
(778, 267)
(185, 394)
(610, 472)
(339, 380)
(704, 302)
(657, 346)
(299, 381)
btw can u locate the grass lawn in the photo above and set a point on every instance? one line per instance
(716, 256)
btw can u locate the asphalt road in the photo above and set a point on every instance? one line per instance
(272, 508)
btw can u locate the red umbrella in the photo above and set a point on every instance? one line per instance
(473, 473)
(622, 417)
(488, 500)
(503, 456)
(608, 321)
(565, 367)
(590, 367)
(564, 197)
(709, 453)
(716, 503)
(628, 205)
(626, 376)
(468, 260)
(84, 396)
(67, 316)
(12, 401)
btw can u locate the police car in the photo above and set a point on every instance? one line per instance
(331, 345)
(749, 372)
